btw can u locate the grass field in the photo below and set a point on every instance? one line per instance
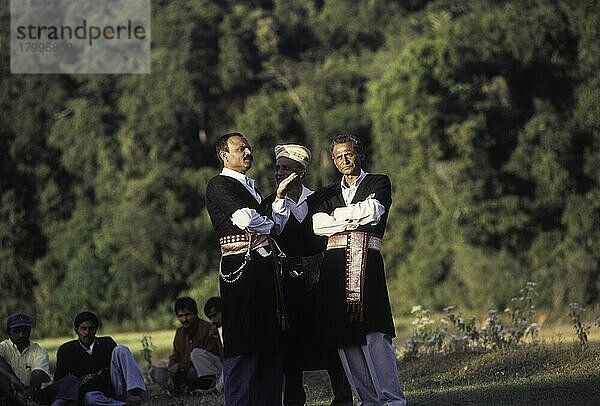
(550, 374)
(558, 372)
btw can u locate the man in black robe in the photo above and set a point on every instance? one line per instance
(253, 316)
(292, 207)
(353, 308)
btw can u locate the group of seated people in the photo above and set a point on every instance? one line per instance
(196, 362)
(92, 370)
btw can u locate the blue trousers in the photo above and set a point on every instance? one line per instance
(253, 379)
(124, 375)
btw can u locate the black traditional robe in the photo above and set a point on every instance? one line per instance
(249, 304)
(304, 348)
(298, 240)
(332, 318)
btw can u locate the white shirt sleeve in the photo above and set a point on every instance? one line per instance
(324, 224)
(281, 214)
(368, 211)
(348, 218)
(249, 219)
(40, 361)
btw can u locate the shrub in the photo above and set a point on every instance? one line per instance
(581, 329)
(455, 333)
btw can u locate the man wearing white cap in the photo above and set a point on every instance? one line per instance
(292, 207)
(353, 307)
(253, 315)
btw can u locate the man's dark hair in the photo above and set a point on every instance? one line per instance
(186, 302)
(214, 302)
(86, 316)
(222, 143)
(344, 138)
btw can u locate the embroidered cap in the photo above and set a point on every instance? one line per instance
(18, 320)
(295, 152)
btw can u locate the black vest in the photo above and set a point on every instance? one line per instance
(225, 195)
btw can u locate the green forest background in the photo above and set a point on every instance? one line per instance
(485, 114)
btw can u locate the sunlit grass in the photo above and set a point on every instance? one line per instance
(550, 374)
(559, 371)
(161, 340)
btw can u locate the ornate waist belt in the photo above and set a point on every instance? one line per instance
(343, 240)
(356, 245)
(244, 243)
(238, 243)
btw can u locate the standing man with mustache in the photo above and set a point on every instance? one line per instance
(250, 285)
(353, 307)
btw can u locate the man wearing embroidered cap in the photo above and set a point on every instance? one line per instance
(24, 367)
(295, 152)
(353, 307)
(292, 207)
(253, 314)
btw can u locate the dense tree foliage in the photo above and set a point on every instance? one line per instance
(486, 116)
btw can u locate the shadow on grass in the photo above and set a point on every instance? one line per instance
(545, 375)
(529, 375)
(583, 390)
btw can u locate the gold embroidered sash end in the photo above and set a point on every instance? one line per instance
(357, 245)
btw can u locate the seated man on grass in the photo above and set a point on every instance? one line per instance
(213, 310)
(196, 359)
(24, 367)
(108, 372)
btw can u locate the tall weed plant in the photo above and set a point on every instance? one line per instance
(582, 329)
(456, 333)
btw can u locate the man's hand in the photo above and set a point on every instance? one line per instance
(89, 377)
(281, 189)
(26, 398)
(37, 378)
